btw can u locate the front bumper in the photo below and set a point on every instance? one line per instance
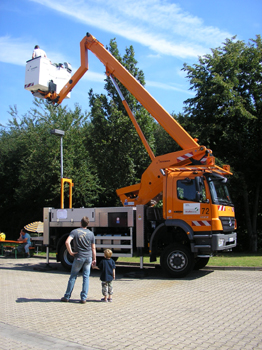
(222, 241)
(207, 244)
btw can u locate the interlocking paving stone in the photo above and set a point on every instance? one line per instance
(209, 309)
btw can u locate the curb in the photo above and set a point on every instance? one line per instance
(210, 267)
(243, 268)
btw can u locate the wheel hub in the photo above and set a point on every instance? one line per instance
(177, 261)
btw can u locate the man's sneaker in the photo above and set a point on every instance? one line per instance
(104, 300)
(110, 300)
(64, 299)
(82, 301)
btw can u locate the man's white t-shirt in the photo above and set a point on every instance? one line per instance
(38, 52)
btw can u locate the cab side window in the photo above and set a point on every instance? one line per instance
(186, 190)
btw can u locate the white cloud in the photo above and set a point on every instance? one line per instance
(167, 87)
(158, 24)
(9, 46)
(95, 77)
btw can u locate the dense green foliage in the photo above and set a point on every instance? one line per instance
(103, 152)
(226, 115)
(30, 164)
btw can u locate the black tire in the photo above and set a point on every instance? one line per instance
(200, 263)
(65, 257)
(177, 260)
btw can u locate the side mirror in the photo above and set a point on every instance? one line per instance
(198, 196)
(199, 183)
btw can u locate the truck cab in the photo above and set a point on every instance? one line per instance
(199, 220)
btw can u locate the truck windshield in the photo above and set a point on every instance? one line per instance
(219, 192)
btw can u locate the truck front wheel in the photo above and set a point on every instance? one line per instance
(177, 260)
(65, 258)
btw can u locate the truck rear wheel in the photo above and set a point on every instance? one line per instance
(177, 260)
(200, 263)
(65, 257)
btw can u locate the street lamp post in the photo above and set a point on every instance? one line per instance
(60, 133)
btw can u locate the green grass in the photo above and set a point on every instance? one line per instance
(43, 254)
(226, 259)
(137, 260)
(236, 259)
(230, 259)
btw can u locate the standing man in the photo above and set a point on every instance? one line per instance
(38, 52)
(25, 238)
(84, 255)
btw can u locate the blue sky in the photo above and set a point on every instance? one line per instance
(164, 34)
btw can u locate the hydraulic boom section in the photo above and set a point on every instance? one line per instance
(113, 67)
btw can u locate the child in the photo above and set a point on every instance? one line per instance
(107, 267)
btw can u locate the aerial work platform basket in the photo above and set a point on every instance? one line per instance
(41, 74)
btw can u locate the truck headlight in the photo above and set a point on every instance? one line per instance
(221, 242)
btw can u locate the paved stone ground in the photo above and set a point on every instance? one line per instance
(210, 309)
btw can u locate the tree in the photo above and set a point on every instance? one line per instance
(164, 143)
(30, 164)
(227, 114)
(115, 148)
